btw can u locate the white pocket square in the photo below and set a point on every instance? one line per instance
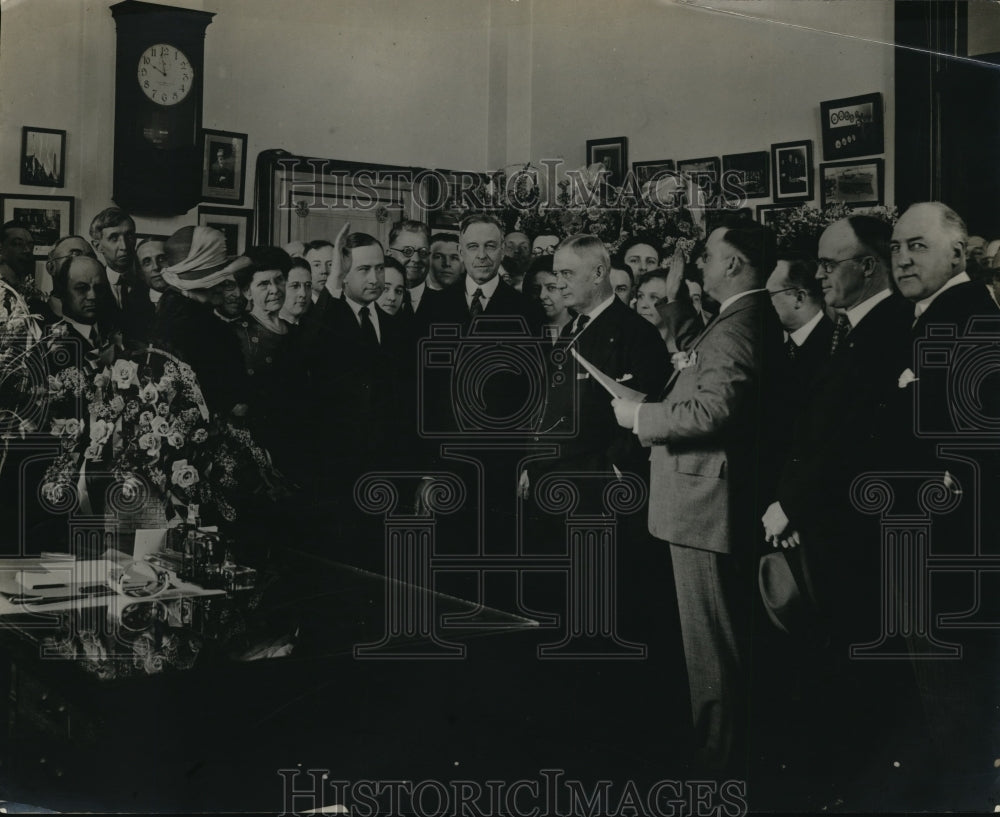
(623, 379)
(583, 375)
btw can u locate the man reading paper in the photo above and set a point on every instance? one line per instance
(709, 433)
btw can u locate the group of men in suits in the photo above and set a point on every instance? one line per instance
(760, 424)
(770, 411)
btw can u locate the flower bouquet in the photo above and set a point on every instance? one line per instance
(801, 227)
(146, 426)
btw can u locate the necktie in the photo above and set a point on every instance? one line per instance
(791, 349)
(840, 331)
(476, 307)
(581, 322)
(94, 337)
(367, 327)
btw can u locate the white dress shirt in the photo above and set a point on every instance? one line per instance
(801, 335)
(114, 281)
(489, 289)
(591, 314)
(921, 308)
(416, 293)
(356, 308)
(857, 313)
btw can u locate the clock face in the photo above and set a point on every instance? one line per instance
(165, 74)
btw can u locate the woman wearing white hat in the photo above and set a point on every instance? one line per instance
(197, 273)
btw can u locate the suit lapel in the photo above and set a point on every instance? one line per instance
(744, 303)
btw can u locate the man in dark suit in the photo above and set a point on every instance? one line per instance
(929, 266)
(617, 341)
(354, 357)
(710, 469)
(797, 298)
(78, 281)
(481, 291)
(125, 304)
(959, 697)
(833, 549)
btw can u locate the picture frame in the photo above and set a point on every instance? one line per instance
(48, 218)
(755, 167)
(856, 184)
(792, 171)
(613, 154)
(644, 171)
(710, 164)
(232, 222)
(766, 212)
(852, 126)
(43, 157)
(224, 166)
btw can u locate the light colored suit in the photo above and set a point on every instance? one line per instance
(711, 475)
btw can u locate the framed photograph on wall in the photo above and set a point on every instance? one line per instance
(852, 127)
(767, 212)
(43, 157)
(223, 166)
(232, 222)
(754, 173)
(792, 170)
(644, 171)
(707, 171)
(613, 154)
(46, 217)
(856, 184)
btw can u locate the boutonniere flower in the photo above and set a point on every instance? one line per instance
(682, 360)
(101, 431)
(906, 378)
(183, 475)
(125, 374)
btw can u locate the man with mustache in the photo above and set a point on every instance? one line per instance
(125, 303)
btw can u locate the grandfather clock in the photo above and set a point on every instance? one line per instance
(159, 73)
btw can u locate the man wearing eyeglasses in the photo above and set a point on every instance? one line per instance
(832, 548)
(797, 298)
(544, 244)
(409, 244)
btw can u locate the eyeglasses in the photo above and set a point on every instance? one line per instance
(407, 252)
(779, 291)
(828, 265)
(544, 251)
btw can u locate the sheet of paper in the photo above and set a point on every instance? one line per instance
(611, 386)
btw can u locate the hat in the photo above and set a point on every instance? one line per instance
(786, 593)
(197, 259)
